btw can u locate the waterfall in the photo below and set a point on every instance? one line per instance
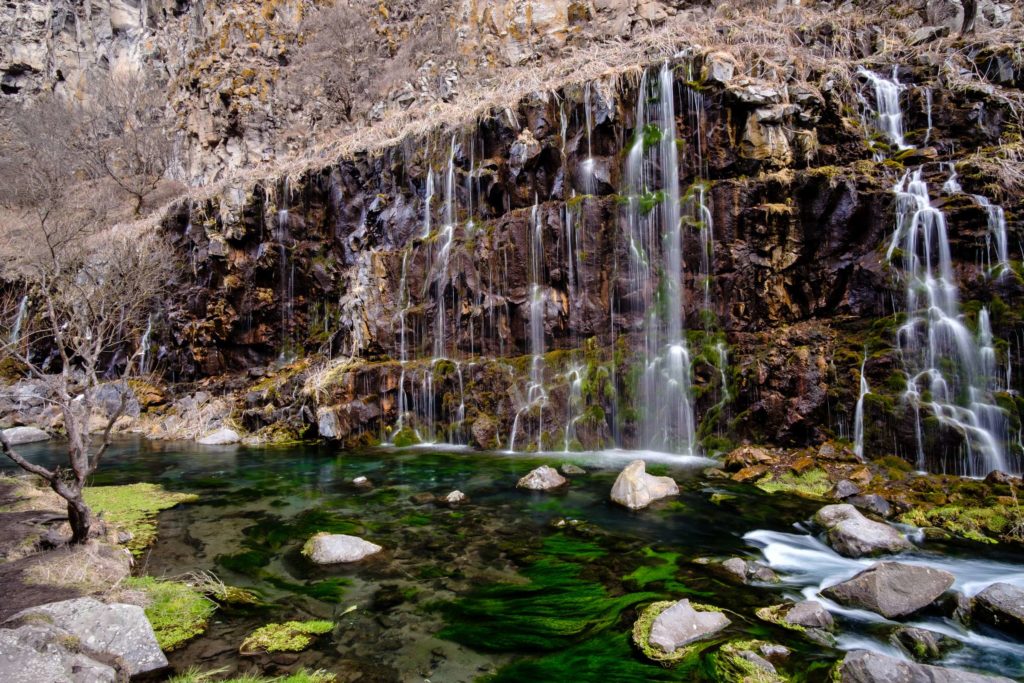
(996, 233)
(446, 238)
(944, 362)
(428, 198)
(536, 395)
(587, 165)
(286, 272)
(858, 413)
(653, 230)
(887, 113)
(144, 346)
(928, 113)
(573, 404)
(18, 320)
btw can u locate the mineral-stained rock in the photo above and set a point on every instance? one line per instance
(892, 589)
(862, 666)
(543, 478)
(636, 489)
(854, 535)
(1002, 606)
(746, 456)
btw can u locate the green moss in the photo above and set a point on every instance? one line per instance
(405, 437)
(729, 665)
(642, 635)
(984, 524)
(177, 611)
(813, 483)
(134, 507)
(291, 636)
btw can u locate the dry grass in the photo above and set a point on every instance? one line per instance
(89, 568)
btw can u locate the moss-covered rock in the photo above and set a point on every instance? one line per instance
(291, 636)
(177, 611)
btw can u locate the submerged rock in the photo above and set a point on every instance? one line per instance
(892, 589)
(636, 489)
(1001, 605)
(114, 632)
(922, 644)
(736, 568)
(222, 437)
(854, 535)
(568, 468)
(327, 548)
(862, 666)
(16, 436)
(681, 624)
(543, 478)
(455, 497)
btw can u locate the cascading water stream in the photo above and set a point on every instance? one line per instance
(144, 347)
(574, 404)
(997, 234)
(18, 321)
(653, 228)
(887, 113)
(286, 272)
(536, 394)
(858, 413)
(943, 359)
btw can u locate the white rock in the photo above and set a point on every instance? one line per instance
(542, 479)
(336, 548)
(681, 624)
(455, 497)
(19, 435)
(636, 489)
(221, 437)
(117, 630)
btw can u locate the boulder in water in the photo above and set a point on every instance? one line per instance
(892, 589)
(455, 498)
(112, 632)
(568, 468)
(1001, 605)
(16, 436)
(221, 437)
(543, 478)
(862, 666)
(809, 614)
(664, 629)
(636, 489)
(854, 535)
(922, 644)
(325, 548)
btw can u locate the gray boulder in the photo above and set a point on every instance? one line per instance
(852, 534)
(636, 489)
(221, 437)
(873, 503)
(736, 569)
(327, 548)
(809, 614)
(892, 589)
(1001, 605)
(681, 624)
(543, 478)
(114, 632)
(42, 652)
(862, 666)
(568, 468)
(844, 488)
(20, 435)
(922, 644)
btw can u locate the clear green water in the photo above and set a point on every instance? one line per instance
(493, 588)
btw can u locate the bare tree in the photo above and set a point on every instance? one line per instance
(96, 285)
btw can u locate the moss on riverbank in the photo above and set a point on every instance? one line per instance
(133, 508)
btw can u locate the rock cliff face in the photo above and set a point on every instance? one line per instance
(478, 282)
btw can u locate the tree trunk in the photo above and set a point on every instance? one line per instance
(80, 518)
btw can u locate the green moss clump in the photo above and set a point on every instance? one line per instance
(177, 611)
(291, 636)
(405, 437)
(729, 665)
(134, 507)
(810, 484)
(642, 634)
(984, 524)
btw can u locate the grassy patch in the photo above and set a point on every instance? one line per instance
(177, 611)
(291, 636)
(194, 675)
(134, 508)
(810, 484)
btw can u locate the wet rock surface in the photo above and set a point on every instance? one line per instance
(892, 589)
(854, 535)
(681, 624)
(1002, 606)
(544, 478)
(862, 666)
(339, 548)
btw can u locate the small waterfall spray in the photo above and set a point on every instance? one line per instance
(144, 346)
(887, 112)
(286, 272)
(944, 361)
(574, 404)
(858, 413)
(653, 228)
(19, 319)
(997, 234)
